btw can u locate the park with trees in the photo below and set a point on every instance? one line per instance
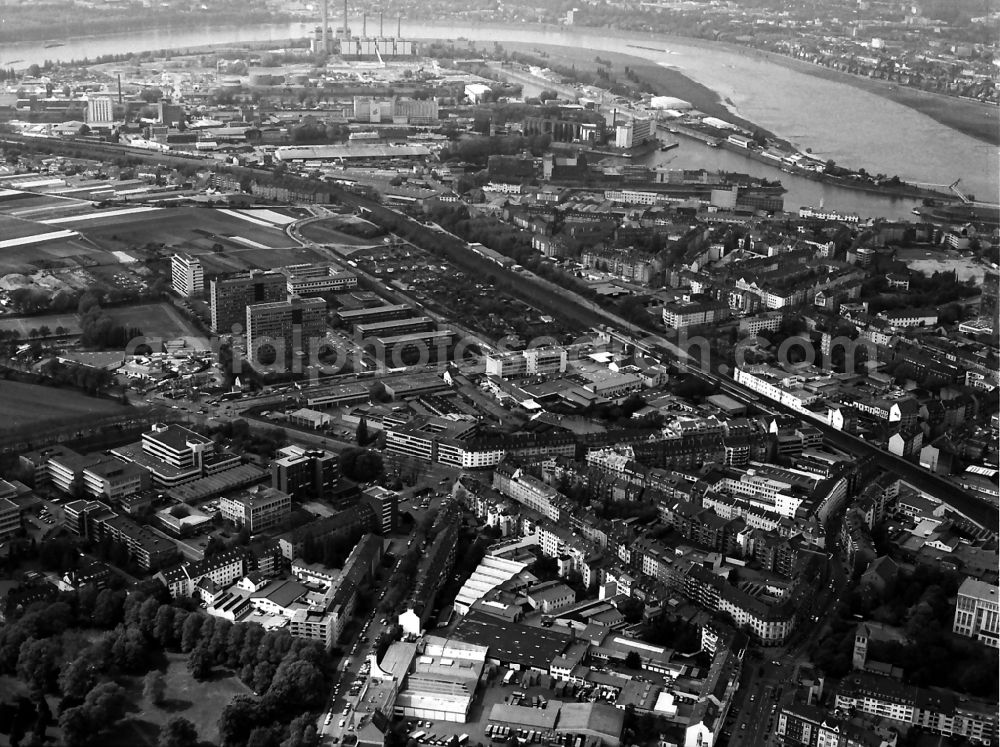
(92, 663)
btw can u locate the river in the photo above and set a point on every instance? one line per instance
(835, 120)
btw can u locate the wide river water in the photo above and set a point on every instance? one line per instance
(836, 120)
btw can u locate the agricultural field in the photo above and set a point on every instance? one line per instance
(183, 228)
(17, 228)
(34, 404)
(70, 251)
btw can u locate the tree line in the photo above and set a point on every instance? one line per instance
(47, 649)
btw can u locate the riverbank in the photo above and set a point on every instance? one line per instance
(879, 134)
(665, 81)
(975, 119)
(659, 80)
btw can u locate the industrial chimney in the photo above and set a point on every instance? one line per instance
(364, 25)
(381, 35)
(325, 37)
(399, 27)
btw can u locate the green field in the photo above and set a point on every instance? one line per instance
(28, 404)
(325, 232)
(24, 324)
(201, 703)
(16, 228)
(155, 320)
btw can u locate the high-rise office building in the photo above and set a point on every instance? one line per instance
(305, 473)
(230, 296)
(100, 110)
(187, 275)
(385, 504)
(279, 334)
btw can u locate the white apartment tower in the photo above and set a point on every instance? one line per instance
(187, 275)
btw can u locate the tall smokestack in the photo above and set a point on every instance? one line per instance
(119, 88)
(399, 27)
(346, 35)
(364, 25)
(325, 37)
(380, 33)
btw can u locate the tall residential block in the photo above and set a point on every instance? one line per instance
(230, 296)
(187, 275)
(280, 333)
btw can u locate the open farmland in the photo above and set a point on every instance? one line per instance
(62, 252)
(33, 404)
(187, 228)
(17, 228)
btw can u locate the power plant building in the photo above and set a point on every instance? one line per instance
(100, 111)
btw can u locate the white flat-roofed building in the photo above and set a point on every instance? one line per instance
(176, 446)
(304, 283)
(258, 508)
(688, 313)
(506, 365)
(546, 360)
(114, 479)
(977, 612)
(437, 677)
(764, 492)
(781, 386)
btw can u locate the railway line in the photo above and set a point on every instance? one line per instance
(576, 311)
